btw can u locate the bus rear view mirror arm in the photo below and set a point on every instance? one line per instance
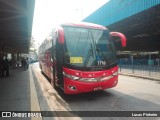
(122, 37)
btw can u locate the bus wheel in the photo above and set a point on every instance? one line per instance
(55, 86)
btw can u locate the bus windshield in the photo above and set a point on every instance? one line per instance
(88, 47)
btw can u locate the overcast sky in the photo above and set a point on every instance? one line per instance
(49, 13)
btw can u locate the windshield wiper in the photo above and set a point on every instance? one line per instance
(90, 53)
(97, 50)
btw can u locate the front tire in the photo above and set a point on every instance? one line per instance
(53, 82)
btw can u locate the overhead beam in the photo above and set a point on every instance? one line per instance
(14, 5)
(11, 18)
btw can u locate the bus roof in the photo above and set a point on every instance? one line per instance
(84, 24)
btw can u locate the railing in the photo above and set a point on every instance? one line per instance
(151, 71)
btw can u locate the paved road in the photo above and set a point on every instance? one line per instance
(131, 94)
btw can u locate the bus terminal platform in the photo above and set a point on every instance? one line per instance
(18, 93)
(22, 92)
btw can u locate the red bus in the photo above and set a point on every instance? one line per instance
(80, 57)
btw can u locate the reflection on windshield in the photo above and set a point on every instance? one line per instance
(87, 47)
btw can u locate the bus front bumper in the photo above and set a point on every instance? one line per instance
(75, 86)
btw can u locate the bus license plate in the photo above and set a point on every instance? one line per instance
(97, 88)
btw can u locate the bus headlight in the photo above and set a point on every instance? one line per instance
(106, 78)
(71, 76)
(116, 73)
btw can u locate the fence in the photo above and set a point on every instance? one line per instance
(151, 71)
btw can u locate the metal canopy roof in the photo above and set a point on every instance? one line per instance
(138, 20)
(16, 17)
(142, 30)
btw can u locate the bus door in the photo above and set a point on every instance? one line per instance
(59, 64)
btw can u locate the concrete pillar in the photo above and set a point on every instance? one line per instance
(17, 56)
(18, 59)
(13, 59)
(132, 59)
(158, 59)
(0, 50)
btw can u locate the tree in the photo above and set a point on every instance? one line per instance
(32, 45)
(33, 49)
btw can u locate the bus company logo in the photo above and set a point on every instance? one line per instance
(6, 114)
(101, 63)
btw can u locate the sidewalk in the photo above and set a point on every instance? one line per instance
(23, 91)
(18, 93)
(15, 91)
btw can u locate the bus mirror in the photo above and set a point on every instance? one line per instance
(60, 35)
(122, 37)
